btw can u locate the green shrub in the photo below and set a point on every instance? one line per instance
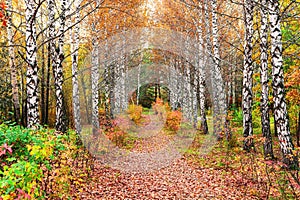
(38, 164)
(237, 117)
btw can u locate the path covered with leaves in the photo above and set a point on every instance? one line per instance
(180, 179)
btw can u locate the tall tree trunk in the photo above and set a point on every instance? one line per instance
(95, 88)
(247, 76)
(60, 122)
(74, 50)
(138, 82)
(123, 103)
(220, 97)
(48, 85)
(280, 109)
(14, 79)
(43, 86)
(112, 84)
(52, 52)
(32, 69)
(24, 99)
(264, 106)
(194, 96)
(201, 75)
(234, 81)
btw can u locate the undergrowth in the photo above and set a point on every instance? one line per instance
(41, 164)
(266, 179)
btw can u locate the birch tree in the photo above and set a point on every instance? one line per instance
(201, 74)
(247, 75)
(95, 80)
(32, 68)
(74, 57)
(60, 122)
(280, 109)
(264, 106)
(219, 97)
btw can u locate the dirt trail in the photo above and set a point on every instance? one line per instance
(178, 179)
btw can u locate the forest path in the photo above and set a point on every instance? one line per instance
(180, 178)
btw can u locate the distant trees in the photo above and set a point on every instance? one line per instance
(30, 29)
(13, 68)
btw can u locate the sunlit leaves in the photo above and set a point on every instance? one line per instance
(3, 19)
(31, 160)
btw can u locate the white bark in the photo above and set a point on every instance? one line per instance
(95, 86)
(220, 106)
(201, 75)
(247, 75)
(265, 119)
(74, 57)
(32, 69)
(280, 109)
(57, 61)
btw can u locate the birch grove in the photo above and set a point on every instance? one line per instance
(214, 62)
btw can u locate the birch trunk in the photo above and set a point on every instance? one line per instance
(74, 57)
(209, 61)
(201, 77)
(32, 69)
(264, 106)
(247, 76)
(220, 97)
(280, 109)
(138, 83)
(95, 88)
(60, 122)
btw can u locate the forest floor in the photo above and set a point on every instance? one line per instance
(151, 171)
(184, 176)
(180, 180)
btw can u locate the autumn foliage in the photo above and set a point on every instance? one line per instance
(3, 18)
(173, 120)
(135, 113)
(40, 164)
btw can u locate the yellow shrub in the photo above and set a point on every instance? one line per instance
(135, 112)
